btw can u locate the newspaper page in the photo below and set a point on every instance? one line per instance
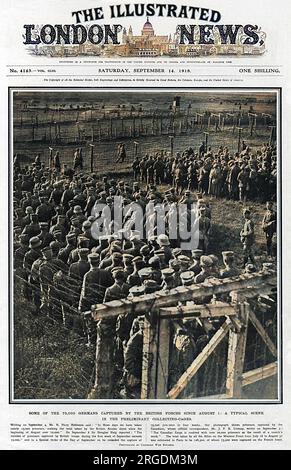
(144, 190)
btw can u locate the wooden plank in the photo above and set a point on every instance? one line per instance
(261, 373)
(202, 311)
(149, 361)
(162, 299)
(163, 358)
(263, 334)
(199, 361)
(236, 354)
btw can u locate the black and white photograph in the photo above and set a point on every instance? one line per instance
(145, 245)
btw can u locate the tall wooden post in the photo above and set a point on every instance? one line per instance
(104, 375)
(150, 358)
(237, 349)
(162, 372)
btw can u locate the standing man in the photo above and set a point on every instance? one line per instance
(247, 236)
(269, 225)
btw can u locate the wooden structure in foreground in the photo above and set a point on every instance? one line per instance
(161, 308)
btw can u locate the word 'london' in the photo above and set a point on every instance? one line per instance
(97, 34)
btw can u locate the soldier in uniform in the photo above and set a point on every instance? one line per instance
(44, 235)
(46, 274)
(168, 280)
(119, 290)
(133, 363)
(20, 253)
(195, 267)
(175, 265)
(95, 283)
(78, 269)
(44, 211)
(65, 252)
(206, 264)
(164, 244)
(269, 225)
(204, 225)
(187, 278)
(247, 236)
(229, 270)
(33, 228)
(134, 278)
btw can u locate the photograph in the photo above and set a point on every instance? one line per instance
(145, 244)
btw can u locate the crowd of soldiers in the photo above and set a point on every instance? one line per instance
(65, 270)
(244, 175)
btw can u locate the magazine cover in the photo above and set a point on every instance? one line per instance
(144, 194)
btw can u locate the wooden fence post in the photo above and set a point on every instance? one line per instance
(236, 351)
(149, 361)
(104, 375)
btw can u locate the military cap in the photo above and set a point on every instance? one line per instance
(75, 221)
(227, 254)
(159, 253)
(128, 257)
(109, 199)
(197, 253)
(187, 277)
(187, 192)
(184, 259)
(112, 190)
(117, 255)
(135, 291)
(167, 272)
(137, 259)
(153, 260)
(86, 224)
(34, 242)
(118, 273)
(145, 273)
(163, 240)
(29, 210)
(150, 285)
(77, 209)
(83, 251)
(103, 193)
(120, 183)
(135, 183)
(145, 249)
(93, 257)
(177, 252)
(70, 237)
(206, 261)
(43, 225)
